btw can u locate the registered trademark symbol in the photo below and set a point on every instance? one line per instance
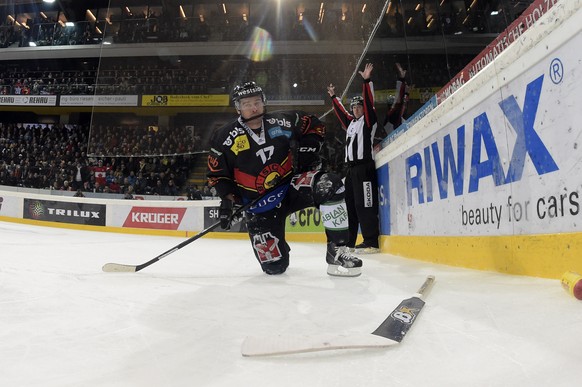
(556, 71)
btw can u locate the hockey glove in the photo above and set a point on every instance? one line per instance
(308, 154)
(225, 213)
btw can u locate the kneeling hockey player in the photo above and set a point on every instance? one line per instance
(275, 156)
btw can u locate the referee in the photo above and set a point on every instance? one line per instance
(361, 180)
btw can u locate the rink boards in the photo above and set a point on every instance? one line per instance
(491, 177)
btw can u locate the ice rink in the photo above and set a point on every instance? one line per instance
(181, 321)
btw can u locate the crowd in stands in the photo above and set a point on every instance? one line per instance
(282, 78)
(55, 157)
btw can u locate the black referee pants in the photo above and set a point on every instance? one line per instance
(362, 202)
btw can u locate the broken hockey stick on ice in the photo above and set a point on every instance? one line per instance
(390, 332)
(118, 267)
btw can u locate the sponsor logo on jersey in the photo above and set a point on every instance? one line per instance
(157, 218)
(241, 143)
(368, 198)
(213, 163)
(278, 121)
(232, 134)
(269, 177)
(277, 131)
(270, 201)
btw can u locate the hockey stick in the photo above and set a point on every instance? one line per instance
(390, 332)
(118, 267)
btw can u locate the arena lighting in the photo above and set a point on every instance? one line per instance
(182, 13)
(32, 44)
(224, 8)
(90, 16)
(48, 1)
(364, 8)
(494, 13)
(43, 15)
(69, 24)
(417, 7)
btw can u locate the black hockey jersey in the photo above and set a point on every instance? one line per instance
(249, 163)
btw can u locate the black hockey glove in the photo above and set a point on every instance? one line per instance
(225, 213)
(308, 157)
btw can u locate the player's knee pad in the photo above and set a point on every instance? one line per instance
(328, 187)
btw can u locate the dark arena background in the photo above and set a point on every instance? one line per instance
(137, 86)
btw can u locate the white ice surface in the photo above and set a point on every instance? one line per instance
(181, 321)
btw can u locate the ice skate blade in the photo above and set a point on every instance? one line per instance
(367, 250)
(340, 271)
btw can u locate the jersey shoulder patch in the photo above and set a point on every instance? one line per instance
(240, 143)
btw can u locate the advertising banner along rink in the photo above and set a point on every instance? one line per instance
(64, 212)
(507, 165)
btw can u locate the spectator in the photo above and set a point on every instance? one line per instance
(129, 193)
(397, 104)
(194, 193)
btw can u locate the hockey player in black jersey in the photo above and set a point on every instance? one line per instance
(276, 156)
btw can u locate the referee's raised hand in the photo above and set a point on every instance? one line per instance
(367, 73)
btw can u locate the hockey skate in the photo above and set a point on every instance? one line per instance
(364, 248)
(341, 263)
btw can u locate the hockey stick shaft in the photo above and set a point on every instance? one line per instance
(117, 267)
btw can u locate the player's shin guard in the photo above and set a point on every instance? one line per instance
(335, 220)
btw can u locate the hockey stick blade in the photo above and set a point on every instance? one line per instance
(119, 268)
(287, 345)
(399, 322)
(389, 333)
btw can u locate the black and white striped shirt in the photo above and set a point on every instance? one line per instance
(359, 132)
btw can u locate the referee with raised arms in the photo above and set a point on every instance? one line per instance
(361, 180)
